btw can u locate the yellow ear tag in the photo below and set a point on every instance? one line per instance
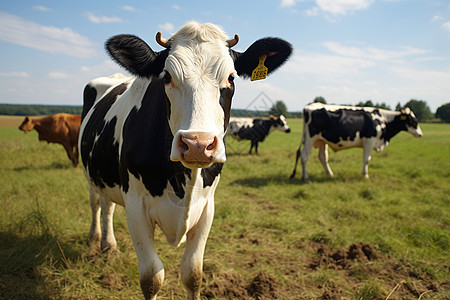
(403, 117)
(260, 72)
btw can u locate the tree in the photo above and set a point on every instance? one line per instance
(398, 106)
(420, 109)
(443, 113)
(279, 108)
(320, 99)
(369, 103)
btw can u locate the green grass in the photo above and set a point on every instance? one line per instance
(281, 235)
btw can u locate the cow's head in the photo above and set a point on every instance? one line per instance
(27, 125)
(280, 123)
(410, 123)
(197, 69)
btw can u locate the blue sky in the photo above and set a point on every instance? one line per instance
(346, 51)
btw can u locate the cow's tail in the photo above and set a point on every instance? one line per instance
(299, 151)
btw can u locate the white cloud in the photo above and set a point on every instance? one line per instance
(51, 39)
(128, 8)
(177, 7)
(371, 53)
(287, 3)
(58, 75)
(102, 19)
(436, 18)
(15, 74)
(168, 27)
(446, 26)
(338, 7)
(41, 8)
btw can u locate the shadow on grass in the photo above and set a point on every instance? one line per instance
(50, 166)
(27, 248)
(282, 179)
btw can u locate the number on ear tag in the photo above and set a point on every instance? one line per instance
(260, 72)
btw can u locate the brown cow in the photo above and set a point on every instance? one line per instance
(58, 128)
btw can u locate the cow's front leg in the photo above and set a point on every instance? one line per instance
(151, 269)
(108, 238)
(192, 261)
(323, 157)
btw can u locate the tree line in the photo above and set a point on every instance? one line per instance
(419, 107)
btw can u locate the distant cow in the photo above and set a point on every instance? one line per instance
(58, 128)
(154, 142)
(343, 127)
(256, 130)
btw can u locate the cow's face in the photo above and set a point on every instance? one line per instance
(410, 122)
(27, 125)
(280, 123)
(198, 69)
(199, 83)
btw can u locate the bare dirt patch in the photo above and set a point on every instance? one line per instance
(354, 267)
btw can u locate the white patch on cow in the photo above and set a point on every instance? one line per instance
(173, 215)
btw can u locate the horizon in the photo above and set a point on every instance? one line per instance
(346, 51)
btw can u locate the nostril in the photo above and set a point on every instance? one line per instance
(182, 145)
(213, 145)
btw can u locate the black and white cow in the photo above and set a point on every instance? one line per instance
(154, 143)
(343, 127)
(256, 130)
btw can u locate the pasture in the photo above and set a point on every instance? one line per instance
(272, 238)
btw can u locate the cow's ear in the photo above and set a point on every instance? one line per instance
(277, 51)
(135, 55)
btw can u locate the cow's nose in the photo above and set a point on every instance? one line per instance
(196, 149)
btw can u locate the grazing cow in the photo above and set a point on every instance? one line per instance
(343, 127)
(58, 128)
(256, 130)
(154, 143)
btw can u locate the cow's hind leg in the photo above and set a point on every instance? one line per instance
(192, 261)
(95, 233)
(75, 156)
(108, 238)
(151, 269)
(304, 157)
(69, 152)
(323, 157)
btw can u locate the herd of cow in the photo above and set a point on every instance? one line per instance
(154, 142)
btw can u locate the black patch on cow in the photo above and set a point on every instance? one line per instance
(89, 95)
(99, 151)
(147, 141)
(210, 174)
(342, 124)
(397, 125)
(258, 132)
(225, 102)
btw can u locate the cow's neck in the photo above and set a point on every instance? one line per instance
(267, 126)
(392, 128)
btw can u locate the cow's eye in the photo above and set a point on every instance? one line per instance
(167, 78)
(231, 78)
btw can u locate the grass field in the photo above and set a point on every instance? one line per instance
(272, 238)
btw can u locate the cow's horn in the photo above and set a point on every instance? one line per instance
(162, 41)
(233, 42)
